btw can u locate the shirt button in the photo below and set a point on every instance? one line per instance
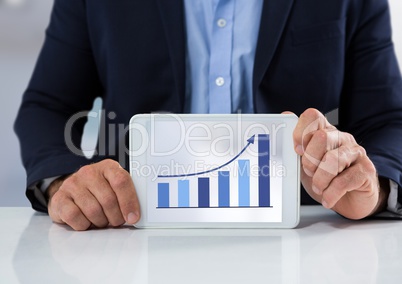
(220, 81)
(221, 23)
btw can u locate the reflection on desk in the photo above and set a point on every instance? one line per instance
(325, 248)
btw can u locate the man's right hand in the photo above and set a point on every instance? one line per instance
(98, 195)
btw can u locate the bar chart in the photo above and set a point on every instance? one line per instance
(228, 185)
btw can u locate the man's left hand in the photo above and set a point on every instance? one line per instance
(336, 171)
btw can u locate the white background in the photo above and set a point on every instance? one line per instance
(22, 25)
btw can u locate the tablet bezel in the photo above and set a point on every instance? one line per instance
(290, 182)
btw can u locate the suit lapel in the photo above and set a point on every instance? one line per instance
(273, 21)
(172, 14)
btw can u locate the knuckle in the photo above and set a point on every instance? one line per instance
(71, 217)
(96, 216)
(343, 154)
(70, 181)
(53, 209)
(330, 164)
(109, 202)
(67, 186)
(93, 212)
(87, 171)
(109, 163)
(313, 113)
(369, 167)
(56, 203)
(349, 137)
(331, 157)
(362, 151)
(344, 160)
(121, 179)
(372, 170)
(321, 136)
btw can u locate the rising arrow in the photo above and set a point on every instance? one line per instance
(250, 141)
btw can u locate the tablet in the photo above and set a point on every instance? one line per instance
(215, 171)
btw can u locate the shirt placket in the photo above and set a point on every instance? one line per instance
(221, 45)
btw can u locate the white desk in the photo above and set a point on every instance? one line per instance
(325, 248)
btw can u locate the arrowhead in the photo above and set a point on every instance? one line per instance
(251, 140)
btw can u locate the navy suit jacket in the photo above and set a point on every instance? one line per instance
(332, 54)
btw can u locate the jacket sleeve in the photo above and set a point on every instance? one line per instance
(371, 104)
(62, 89)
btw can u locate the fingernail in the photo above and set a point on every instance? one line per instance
(132, 218)
(299, 150)
(325, 204)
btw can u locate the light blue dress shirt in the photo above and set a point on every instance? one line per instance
(221, 43)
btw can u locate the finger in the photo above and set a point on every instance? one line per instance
(333, 163)
(315, 150)
(107, 199)
(310, 121)
(102, 191)
(121, 183)
(91, 208)
(321, 142)
(65, 211)
(84, 199)
(73, 216)
(355, 178)
(53, 210)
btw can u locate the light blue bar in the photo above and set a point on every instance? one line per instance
(163, 195)
(224, 188)
(244, 183)
(184, 193)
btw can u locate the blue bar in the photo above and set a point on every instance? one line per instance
(163, 195)
(184, 193)
(263, 171)
(203, 192)
(224, 188)
(244, 183)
